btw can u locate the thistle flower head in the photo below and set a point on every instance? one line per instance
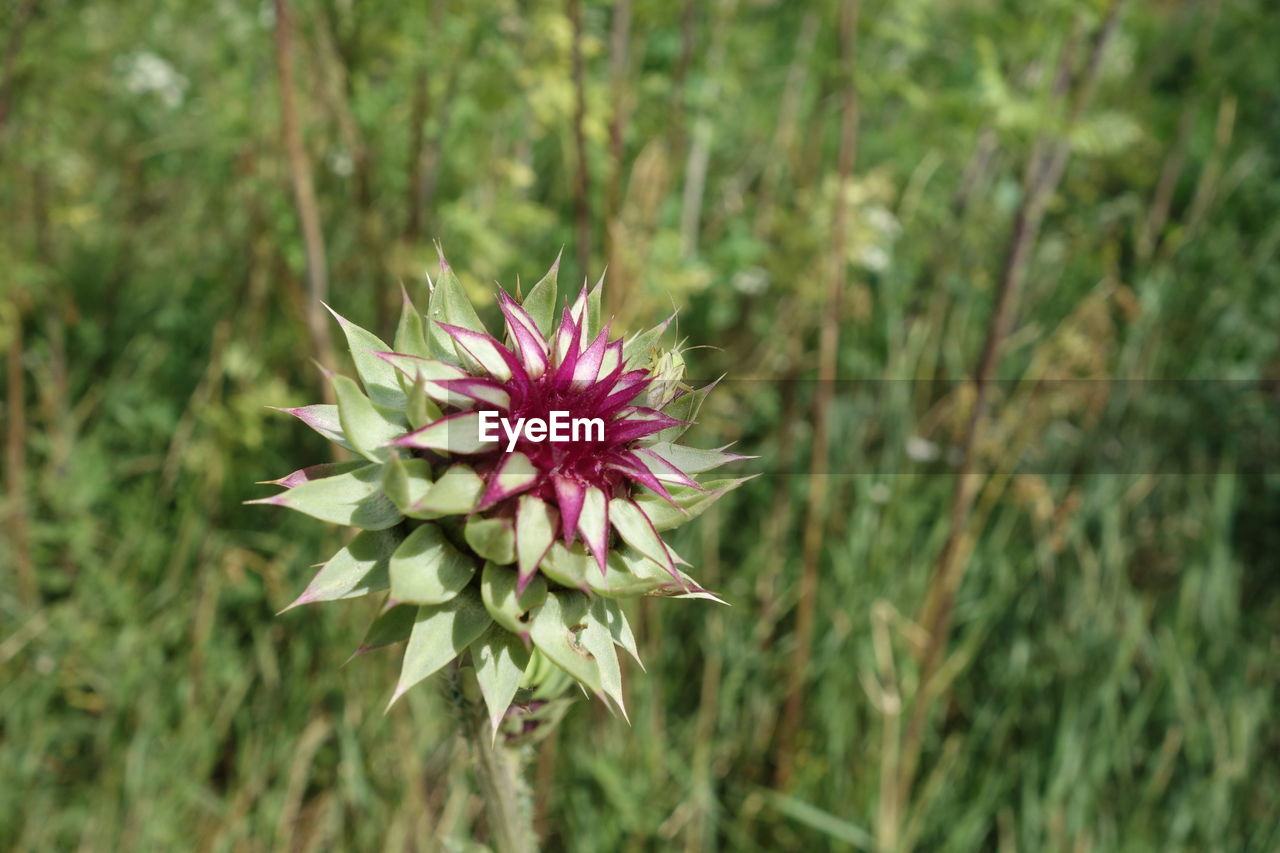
(510, 490)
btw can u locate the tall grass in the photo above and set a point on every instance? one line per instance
(1110, 674)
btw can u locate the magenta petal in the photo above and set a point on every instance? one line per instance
(611, 365)
(625, 389)
(569, 495)
(531, 355)
(517, 316)
(567, 348)
(566, 333)
(627, 464)
(579, 311)
(587, 367)
(532, 347)
(638, 423)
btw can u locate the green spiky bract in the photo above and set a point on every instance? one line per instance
(511, 561)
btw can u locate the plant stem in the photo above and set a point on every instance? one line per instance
(308, 209)
(582, 179)
(828, 352)
(499, 771)
(1043, 174)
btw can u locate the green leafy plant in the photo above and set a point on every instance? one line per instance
(507, 555)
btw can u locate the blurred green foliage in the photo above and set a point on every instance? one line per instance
(1112, 676)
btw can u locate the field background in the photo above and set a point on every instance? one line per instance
(1110, 677)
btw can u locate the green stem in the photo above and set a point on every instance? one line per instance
(499, 770)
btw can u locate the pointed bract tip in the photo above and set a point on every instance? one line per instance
(444, 264)
(328, 374)
(360, 650)
(703, 595)
(342, 321)
(298, 602)
(273, 500)
(662, 327)
(395, 697)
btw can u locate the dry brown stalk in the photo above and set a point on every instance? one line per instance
(1044, 172)
(582, 179)
(828, 349)
(304, 194)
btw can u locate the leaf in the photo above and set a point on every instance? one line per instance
(494, 539)
(358, 569)
(313, 472)
(514, 474)
(636, 352)
(569, 566)
(440, 633)
(353, 499)
(411, 334)
(536, 524)
(628, 575)
(322, 418)
(637, 530)
(528, 725)
(393, 625)
(593, 524)
(631, 568)
(509, 609)
(429, 371)
(693, 460)
(826, 823)
(364, 425)
(598, 641)
(419, 408)
(448, 304)
(554, 630)
(683, 408)
(593, 308)
(457, 433)
(694, 502)
(378, 376)
(500, 660)
(406, 481)
(478, 350)
(540, 302)
(426, 569)
(610, 612)
(455, 493)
